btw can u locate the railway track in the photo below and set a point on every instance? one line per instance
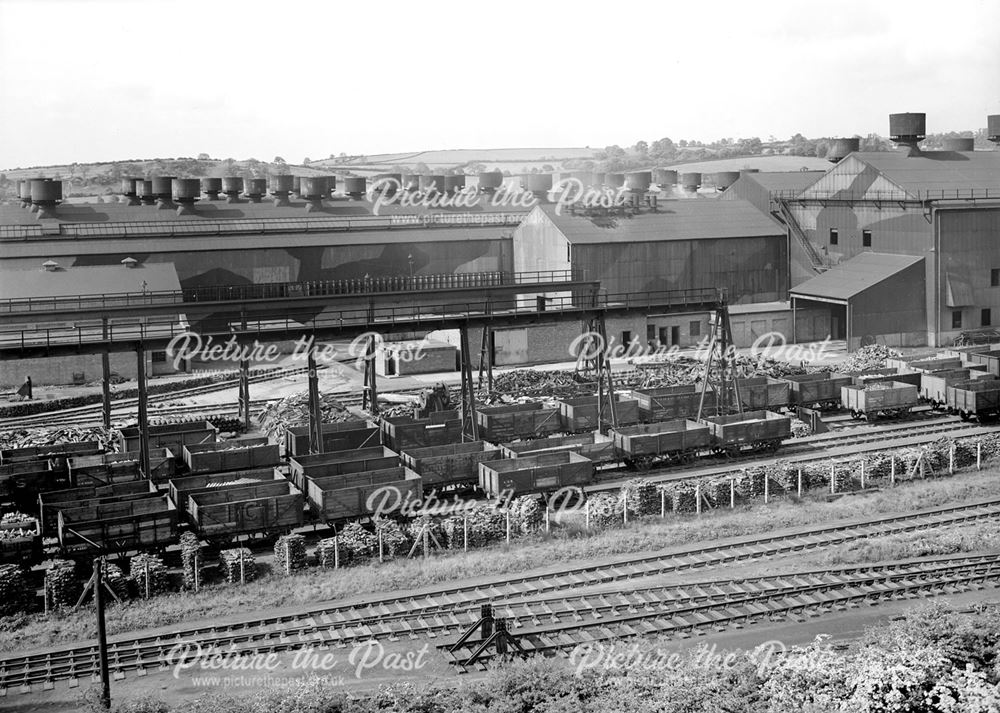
(386, 617)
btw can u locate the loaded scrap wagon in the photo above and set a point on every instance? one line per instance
(263, 508)
(934, 384)
(979, 399)
(355, 495)
(108, 468)
(753, 429)
(439, 428)
(672, 402)
(21, 542)
(502, 424)
(823, 390)
(593, 446)
(529, 474)
(239, 454)
(680, 440)
(172, 435)
(138, 524)
(49, 504)
(450, 464)
(764, 393)
(183, 488)
(340, 436)
(581, 414)
(889, 399)
(358, 460)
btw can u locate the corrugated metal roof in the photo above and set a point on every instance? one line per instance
(97, 280)
(690, 219)
(937, 170)
(784, 180)
(854, 276)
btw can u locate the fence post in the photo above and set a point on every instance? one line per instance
(243, 577)
(426, 539)
(507, 514)
(624, 511)
(979, 455)
(862, 473)
(767, 489)
(833, 478)
(465, 533)
(336, 552)
(546, 516)
(800, 482)
(288, 555)
(197, 574)
(732, 494)
(586, 509)
(951, 460)
(146, 568)
(663, 504)
(381, 550)
(892, 468)
(697, 497)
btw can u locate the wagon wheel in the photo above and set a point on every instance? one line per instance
(854, 413)
(732, 451)
(642, 463)
(964, 415)
(686, 457)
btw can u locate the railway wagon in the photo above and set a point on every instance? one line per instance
(21, 542)
(581, 414)
(671, 402)
(449, 464)
(108, 468)
(965, 353)
(172, 435)
(340, 462)
(57, 453)
(535, 473)
(183, 488)
(241, 454)
(756, 429)
(438, 429)
(887, 399)
(937, 364)
(979, 399)
(118, 527)
(904, 377)
(679, 440)
(501, 424)
(988, 359)
(764, 393)
(593, 446)
(20, 483)
(934, 385)
(49, 504)
(263, 508)
(355, 495)
(821, 390)
(336, 437)
(901, 362)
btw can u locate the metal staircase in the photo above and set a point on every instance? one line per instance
(781, 211)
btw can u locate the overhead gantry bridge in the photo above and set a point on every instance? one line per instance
(324, 310)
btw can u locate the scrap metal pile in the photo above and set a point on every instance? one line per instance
(42, 436)
(865, 359)
(294, 411)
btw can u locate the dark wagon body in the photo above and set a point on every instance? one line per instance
(536, 473)
(336, 437)
(449, 464)
(500, 424)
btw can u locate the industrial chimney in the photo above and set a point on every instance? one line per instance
(959, 143)
(454, 183)
(185, 191)
(256, 188)
(45, 195)
(162, 191)
(724, 179)
(211, 187)
(490, 181)
(993, 128)
(842, 148)
(538, 184)
(907, 131)
(129, 196)
(232, 186)
(313, 189)
(690, 182)
(355, 187)
(281, 186)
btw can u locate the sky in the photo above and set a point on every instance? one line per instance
(102, 80)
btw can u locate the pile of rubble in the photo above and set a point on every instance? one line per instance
(294, 411)
(867, 359)
(41, 436)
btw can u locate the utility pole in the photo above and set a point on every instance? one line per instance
(102, 636)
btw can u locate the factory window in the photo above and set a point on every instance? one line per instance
(866, 238)
(626, 337)
(834, 236)
(956, 319)
(650, 332)
(694, 328)
(985, 317)
(159, 357)
(994, 277)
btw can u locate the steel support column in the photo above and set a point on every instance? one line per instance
(143, 410)
(486, 359)
(369, 393)
(315, 412)
(102, 637)
(470, 429)
(244, 390)
(105, 379)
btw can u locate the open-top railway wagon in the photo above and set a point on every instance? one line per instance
(173, 436)
(349, 496)
(450, 464)
(240, 454)
(502, 424)
(582, 414)
(340, 462)
(886, 399)
(595, 447)
(978, 399)
(262, 508)
(108, 468)
(544, 472)
(669, 403)
(439, 428)
(341, 436)
(50, 503)
(934, 384)
(816, 390)
(750, 430)
(669, 441)
(141, 524)
(183, 488)
(762, 393)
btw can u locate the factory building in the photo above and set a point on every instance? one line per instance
(942, 207)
